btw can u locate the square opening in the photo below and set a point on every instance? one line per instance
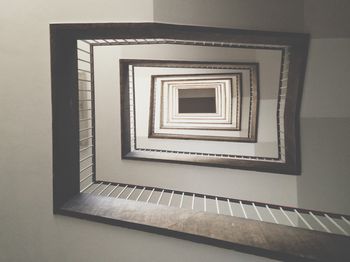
(197, 100)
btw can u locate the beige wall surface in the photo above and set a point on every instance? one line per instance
(326, 88)
(325, 180)
(270, 15)
(327, 18)
(28, 229)
(325, 111)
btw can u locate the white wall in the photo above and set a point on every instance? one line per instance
(28, 230)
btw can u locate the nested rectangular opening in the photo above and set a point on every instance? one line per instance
(224, 221)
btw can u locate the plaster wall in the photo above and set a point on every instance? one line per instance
(28, 229)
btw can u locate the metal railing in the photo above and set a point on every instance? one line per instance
(86, 110)
(264, 212)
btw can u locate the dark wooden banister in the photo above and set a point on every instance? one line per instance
(248, 202)
(240, 234)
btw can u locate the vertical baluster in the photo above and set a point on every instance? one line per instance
(150, 195)
(257, 211)
(336, 224)
(171, 198)
(110, 193)
(273, 216)
(285, 214)
(193, 196)
(229, 206)
(104, 189)
(319, 221)
(160, 197)
(121, 192)
(82, 180)
(138, 197)
(96, 188)
(182, 199)
(305, 222)
(81, 191)
(345, 220)
(245, 214)
(217, 205)
(132, 191)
